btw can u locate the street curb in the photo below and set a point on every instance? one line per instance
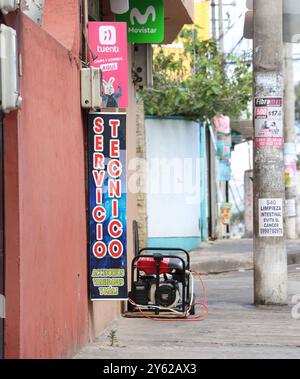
(219, 266)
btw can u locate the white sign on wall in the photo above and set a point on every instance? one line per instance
(270, 218)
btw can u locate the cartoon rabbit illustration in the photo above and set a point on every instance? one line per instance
(110, 98)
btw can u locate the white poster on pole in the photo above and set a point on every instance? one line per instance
(270, 218)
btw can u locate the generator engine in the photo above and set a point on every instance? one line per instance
(161, 282)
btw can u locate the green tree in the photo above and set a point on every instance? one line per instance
(212, 87)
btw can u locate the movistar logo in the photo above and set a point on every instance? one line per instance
(142, 18)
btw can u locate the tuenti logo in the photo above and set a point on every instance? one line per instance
(107, 35)
(108, 40)
(142, 19)
(2, 306)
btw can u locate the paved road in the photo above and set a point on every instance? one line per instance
(234, 328)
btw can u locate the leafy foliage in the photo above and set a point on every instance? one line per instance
(208, 87)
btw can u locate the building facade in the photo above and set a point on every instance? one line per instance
(48, 312)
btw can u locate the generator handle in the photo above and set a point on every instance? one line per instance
(168, 249)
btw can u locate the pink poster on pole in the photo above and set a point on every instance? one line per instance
(222, 124)
(108, 45)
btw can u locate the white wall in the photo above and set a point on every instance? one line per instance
(173, 194)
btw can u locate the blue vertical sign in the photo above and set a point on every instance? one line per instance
(107, 206)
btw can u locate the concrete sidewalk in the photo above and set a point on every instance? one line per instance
(234, 328)
(233, 255)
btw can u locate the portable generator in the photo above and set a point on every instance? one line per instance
(162, 282)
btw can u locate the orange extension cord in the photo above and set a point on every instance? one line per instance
(199, 317)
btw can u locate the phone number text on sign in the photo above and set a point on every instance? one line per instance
(268, 115)
(270, 218)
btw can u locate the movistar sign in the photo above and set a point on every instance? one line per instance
(145, 21)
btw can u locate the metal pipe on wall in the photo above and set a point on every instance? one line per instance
(2, 251)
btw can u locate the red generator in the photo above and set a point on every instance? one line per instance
(162, 282)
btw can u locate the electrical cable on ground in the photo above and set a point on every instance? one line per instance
(198, 317)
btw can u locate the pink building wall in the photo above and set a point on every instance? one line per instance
(48, 312)
(46, 254)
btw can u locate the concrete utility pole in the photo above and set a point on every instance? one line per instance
(213, 19)
(221, 26)
(290, 156)
(225, 186)
(270, 258)
(212, 153)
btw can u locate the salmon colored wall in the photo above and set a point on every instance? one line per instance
(61, 21)
(49, 209)
(12, 236)
(48, 312)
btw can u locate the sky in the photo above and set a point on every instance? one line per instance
(233, 35)
(234, 27)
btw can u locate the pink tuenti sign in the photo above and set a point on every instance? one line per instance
(108, 45)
